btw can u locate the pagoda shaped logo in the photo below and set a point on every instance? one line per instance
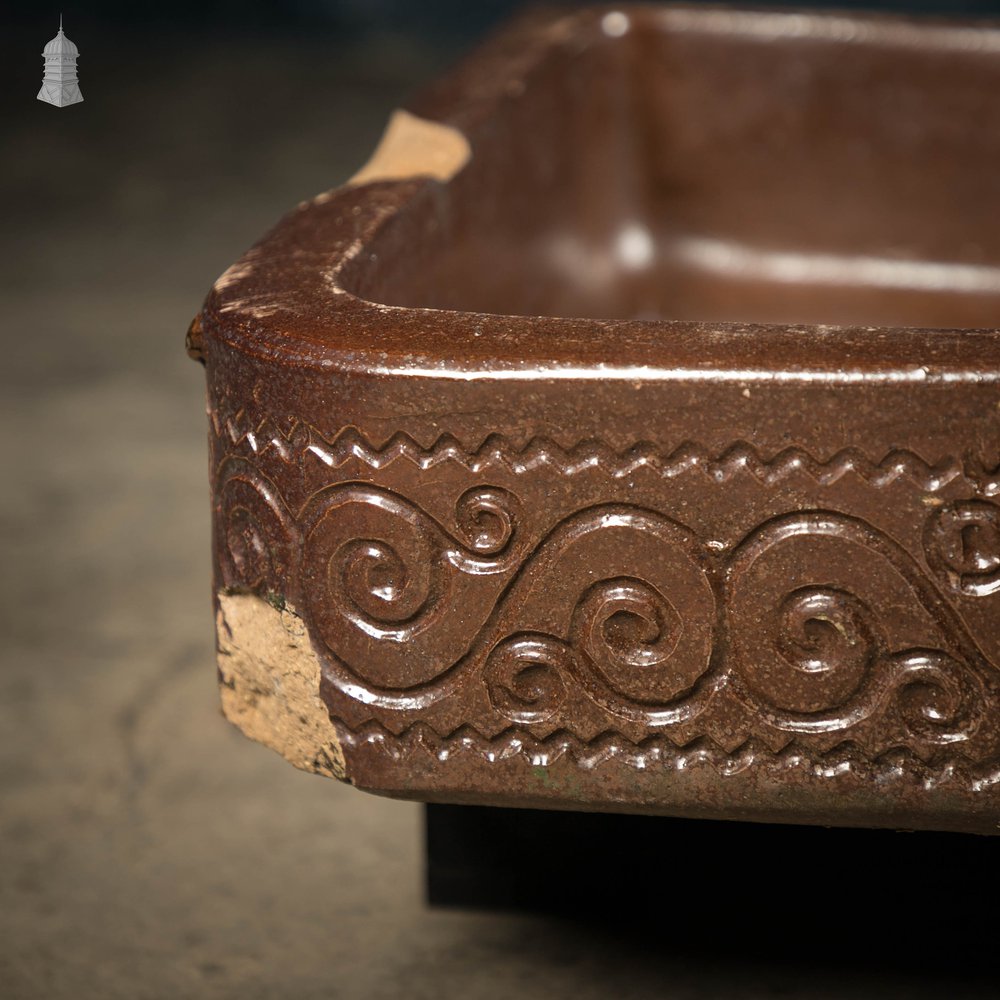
(59, 85)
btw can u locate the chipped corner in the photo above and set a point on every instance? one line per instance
(413, 147)
(269, 681)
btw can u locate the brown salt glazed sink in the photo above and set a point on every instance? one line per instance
(626, 434)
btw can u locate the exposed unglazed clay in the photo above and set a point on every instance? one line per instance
(414, 147)
(269, 679)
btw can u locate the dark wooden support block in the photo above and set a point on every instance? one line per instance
(808, 891)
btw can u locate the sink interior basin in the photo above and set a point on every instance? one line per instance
(764, 168)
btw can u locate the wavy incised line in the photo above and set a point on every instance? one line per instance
(449, 550)
(539, 563)
(886, 672)
(659, 750)
(885, 675)
(813, 523)
(542, 452)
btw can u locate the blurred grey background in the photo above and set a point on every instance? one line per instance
(146, 848)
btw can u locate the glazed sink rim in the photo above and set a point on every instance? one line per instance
(298, 276)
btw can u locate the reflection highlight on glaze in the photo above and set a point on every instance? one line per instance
(733, 259)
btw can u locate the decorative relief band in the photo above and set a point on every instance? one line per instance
(649, 629)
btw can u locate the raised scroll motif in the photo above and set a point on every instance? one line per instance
(256, 529)
(427, 573)
(820, 659)
(380, 576)
(524, 674)
(808, 628)
(963, 546)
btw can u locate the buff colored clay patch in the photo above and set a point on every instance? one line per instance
(411, 147)
(270, 683)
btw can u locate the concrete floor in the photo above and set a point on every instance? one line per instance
(149, 850)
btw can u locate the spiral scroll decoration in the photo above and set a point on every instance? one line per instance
(256, 530)
(826, 640)
(618, 624)
(378, 569)
(382, 593)
(962, 542)
(815, 660)
(394, 584)
(526, 676)
(661, 630)
(380, 573)
(937, 697)
(487, 519)
(824, 662)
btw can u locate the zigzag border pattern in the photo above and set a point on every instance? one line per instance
(659, 751)
(541, 452)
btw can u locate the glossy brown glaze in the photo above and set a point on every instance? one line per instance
(627, 435)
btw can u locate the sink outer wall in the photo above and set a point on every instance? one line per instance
(717, 570)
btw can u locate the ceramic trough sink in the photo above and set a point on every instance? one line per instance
(626, 434)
